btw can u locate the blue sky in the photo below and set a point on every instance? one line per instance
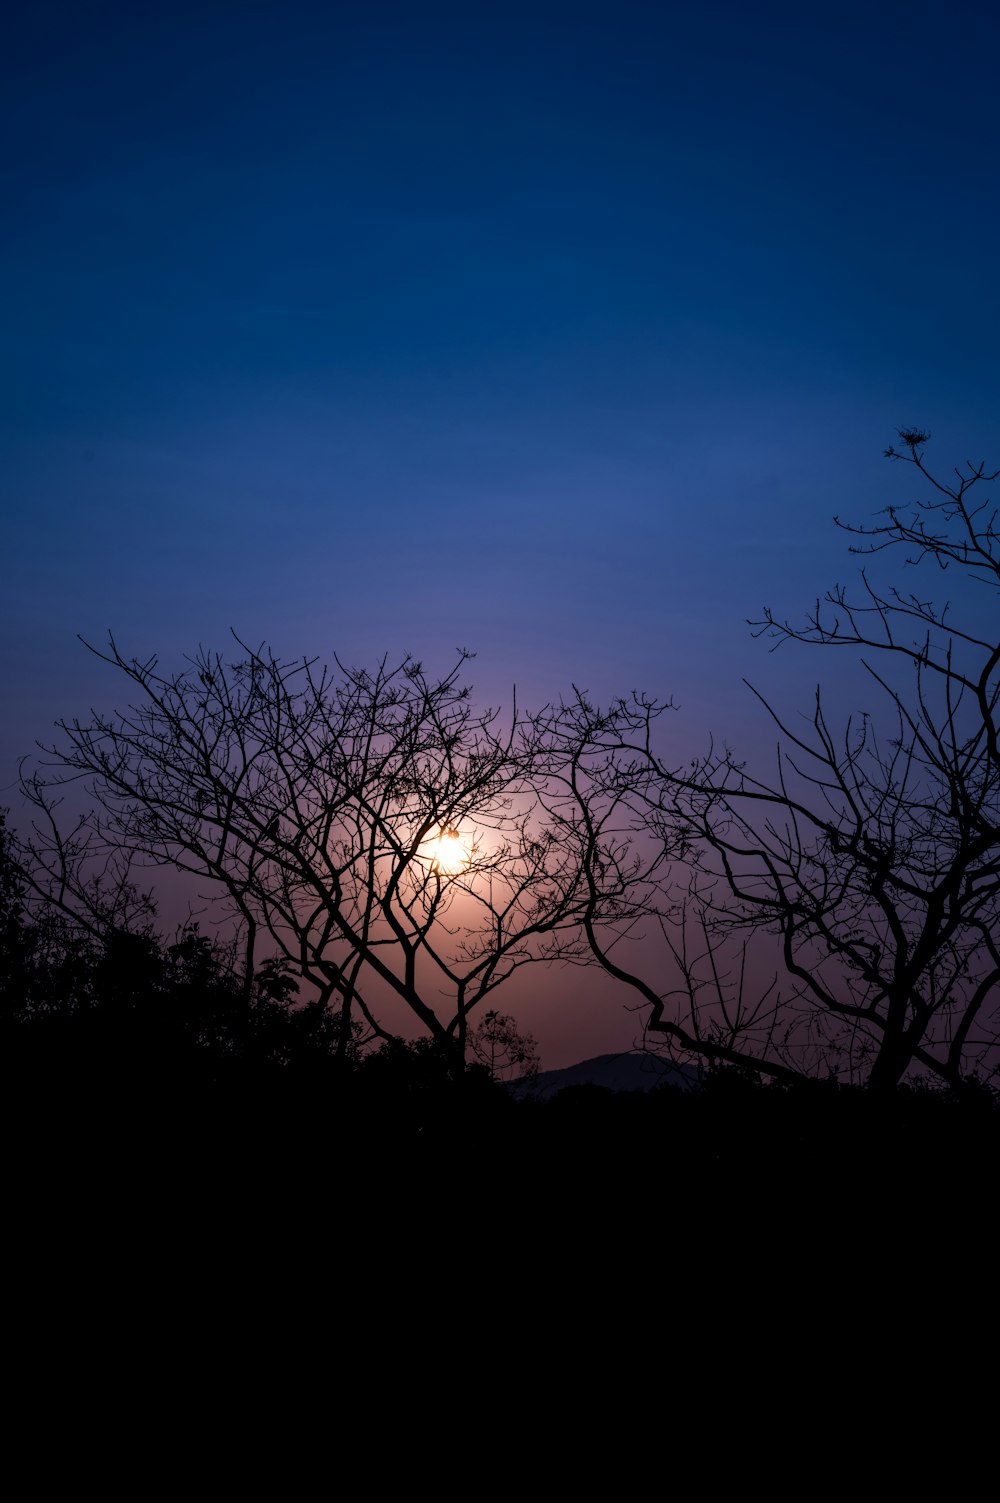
(556, 331)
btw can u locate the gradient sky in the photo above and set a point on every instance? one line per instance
(555, 331)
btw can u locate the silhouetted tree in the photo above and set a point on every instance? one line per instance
(81, 1003)
(393, 845)
(383, 836)
(503, 1049)
(872, 856)
(17, 937)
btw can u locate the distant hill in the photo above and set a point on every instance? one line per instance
(631, 1071)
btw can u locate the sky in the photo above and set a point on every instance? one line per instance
(555, 331)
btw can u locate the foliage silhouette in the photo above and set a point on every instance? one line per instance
(126, 1012)
(503, 1050)
(132, 1065)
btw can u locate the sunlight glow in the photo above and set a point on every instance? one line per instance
(449, 853)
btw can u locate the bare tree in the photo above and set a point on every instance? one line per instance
(839, 916)
(380, 835)
(648, 920)
(872, 855)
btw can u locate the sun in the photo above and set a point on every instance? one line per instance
(449, 853)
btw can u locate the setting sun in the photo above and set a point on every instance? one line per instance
(449, 853)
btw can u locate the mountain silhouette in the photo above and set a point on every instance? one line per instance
(629, 1071)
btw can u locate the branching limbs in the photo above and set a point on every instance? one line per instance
(320, 803)
(315, 801)
(867, 867)
(648, 914)
(877, 859)
(955, 526)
